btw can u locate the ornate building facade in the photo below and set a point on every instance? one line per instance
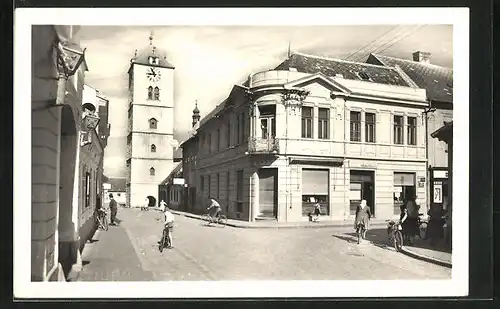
(311, 130)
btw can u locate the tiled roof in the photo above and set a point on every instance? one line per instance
(177, 171)
(349, 70)
(142, 57)
(117, 184)
(437, 80)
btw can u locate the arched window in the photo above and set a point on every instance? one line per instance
(152, 171)
(157, 93)
(153, 123)
(153, 148)
(150, 93)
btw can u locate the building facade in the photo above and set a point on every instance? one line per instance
(438, 82)
(150, 125)
(56, 110)
(172, 188)
(311, 130)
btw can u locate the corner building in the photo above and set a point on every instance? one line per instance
(312, 129)
(150, 125)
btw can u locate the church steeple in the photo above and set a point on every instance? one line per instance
(151, 55)
(196, 114)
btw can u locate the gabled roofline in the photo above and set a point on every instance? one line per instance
(321, 76)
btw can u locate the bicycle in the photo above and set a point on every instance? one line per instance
(394, 234)
(165, 240)
(101, 220)
(360, 232)
(221, 219)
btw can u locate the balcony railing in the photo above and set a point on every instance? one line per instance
(263, 146)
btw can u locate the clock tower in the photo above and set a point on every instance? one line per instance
(149, 157)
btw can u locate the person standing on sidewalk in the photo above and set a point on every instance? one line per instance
(113, 207)
(145, 204)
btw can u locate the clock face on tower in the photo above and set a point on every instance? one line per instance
(153, 74)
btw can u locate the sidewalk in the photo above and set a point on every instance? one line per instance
(421, 249)
(110, 256)
(262, 224)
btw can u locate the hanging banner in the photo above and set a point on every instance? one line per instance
(438, 192)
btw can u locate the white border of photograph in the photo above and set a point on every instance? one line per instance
(24, 18)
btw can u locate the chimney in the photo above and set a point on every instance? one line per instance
(422, 57)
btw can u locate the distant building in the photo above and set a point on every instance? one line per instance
(172, 188)
(438, 82)
(313, 129)
(150, 140)
(117, 187)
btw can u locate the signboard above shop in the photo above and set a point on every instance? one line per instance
(440, 174)
(179, 181)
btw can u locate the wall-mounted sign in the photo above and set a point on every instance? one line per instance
(179, 181)
(440, 174)
(106, 186)
(421, 179)
(421, 184)
(438, 192)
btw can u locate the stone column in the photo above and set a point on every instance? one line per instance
(254, 194)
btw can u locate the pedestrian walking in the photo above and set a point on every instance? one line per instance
(113, 207)
(410, 226)
(163, 205)
(317, 211)
(145, 204)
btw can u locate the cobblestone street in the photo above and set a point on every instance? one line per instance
(130, 252)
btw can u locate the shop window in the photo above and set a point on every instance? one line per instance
(398, 130)
(315, 188)
(307, 122)
(370, 127)
(412, 130)
(323, 123)
(355, 123)
(404, 188)
(361, 187)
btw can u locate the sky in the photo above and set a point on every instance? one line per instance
(209, 60)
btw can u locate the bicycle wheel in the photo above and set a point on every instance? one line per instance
(105, 223)
(398, 240)
(222, 221)
(167, 241)
(206, 218)
(162, 241)
(422, 229)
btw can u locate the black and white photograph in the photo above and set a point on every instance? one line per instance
(242, 152)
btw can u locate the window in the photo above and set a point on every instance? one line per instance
(307, 120)
(157, 94)
(217, 183)
(87, 189)
(150, 93)
(355, 127)
(153, 123)
(404, 187)
(315, 189)
(153, 60)
(202, 184)
(370, 127)
(209, 141)
(128, 162)
(153, 148)
(152, 171)
(228, 134)
(398, 130)
(217, 140)
(412, 130)
(364, 76)
(209, 181)
(228, 183)
(239, 191)
(267, 121)
(323, 123)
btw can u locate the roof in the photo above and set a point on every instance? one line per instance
(349, 70)
(117, 184)
(177, 171)
(445, 133)
(142, 56)
(437, 80)
(178, 153)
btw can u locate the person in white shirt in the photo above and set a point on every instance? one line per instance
(214, 209)
(145, 204)
(163, 205)
(169, 223)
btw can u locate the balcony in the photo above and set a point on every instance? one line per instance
(263, 146)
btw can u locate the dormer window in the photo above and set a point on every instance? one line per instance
(150, 93)
(153, 123)
(156, 94)
(364, 76)
(154, 60)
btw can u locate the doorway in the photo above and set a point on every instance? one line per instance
(152, 201)
(268, 197)
(362, 188)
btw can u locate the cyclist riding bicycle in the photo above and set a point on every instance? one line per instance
(214, 209)
(363, 216)
(168, 224)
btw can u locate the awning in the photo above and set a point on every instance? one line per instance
(322, 161)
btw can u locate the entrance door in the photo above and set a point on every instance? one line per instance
(268, 197)
(362, 188)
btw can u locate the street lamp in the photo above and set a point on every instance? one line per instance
(69, 59)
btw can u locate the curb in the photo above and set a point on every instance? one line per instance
(236, 225)
(76, 269)
(425, 258)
